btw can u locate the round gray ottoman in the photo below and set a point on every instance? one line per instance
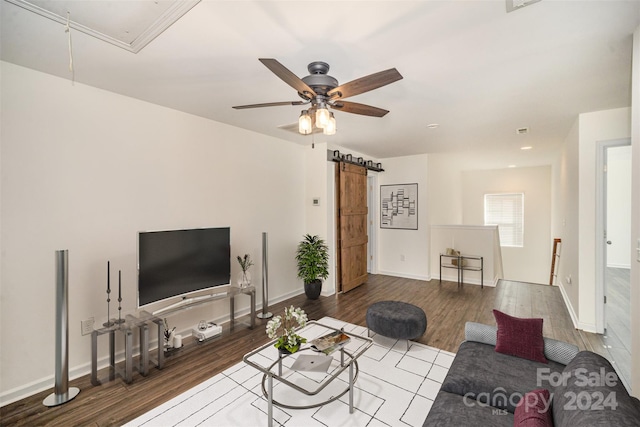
(396, 319)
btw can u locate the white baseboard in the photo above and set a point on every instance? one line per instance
(567, 303)
(471, 281)
(48, 382)
(587, 327)
(404, 275)
(625, 266)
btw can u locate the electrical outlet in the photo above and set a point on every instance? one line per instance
(402, 258)
(86, 326)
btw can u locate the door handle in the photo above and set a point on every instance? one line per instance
(608, 242)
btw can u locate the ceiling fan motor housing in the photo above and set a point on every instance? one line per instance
(319, 80)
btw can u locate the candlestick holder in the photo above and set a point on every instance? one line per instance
(120, 319)
(109, 322)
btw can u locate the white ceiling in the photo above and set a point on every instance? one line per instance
(469, 66)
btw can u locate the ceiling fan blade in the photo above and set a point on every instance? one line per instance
(356, 108)
(365, 84)
(269, 104)
(288, 77)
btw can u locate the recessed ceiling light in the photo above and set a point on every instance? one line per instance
(433, 126)
(526, 147)
(512, 166)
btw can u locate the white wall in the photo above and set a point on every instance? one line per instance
(474, 240)
(565, 221)
(619, 206)
(317, 218)
(85, 169)
(635, 215)
(444, 198)
(412, 245)
(532, 262)
(593, 127)
(575, 209)
(457, 185)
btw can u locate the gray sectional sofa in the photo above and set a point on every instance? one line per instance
(483, 386)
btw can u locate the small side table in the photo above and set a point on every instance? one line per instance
(143, 320)
(233, 291)
(127, 333)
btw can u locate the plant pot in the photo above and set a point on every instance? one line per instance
(313, 289)
(283, 351)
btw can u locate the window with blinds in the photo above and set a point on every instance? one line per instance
(507, 212)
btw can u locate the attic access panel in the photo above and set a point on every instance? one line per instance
(130, 25)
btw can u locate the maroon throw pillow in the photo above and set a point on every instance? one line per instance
(519, 337)
(534, 410)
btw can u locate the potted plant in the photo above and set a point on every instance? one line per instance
(284, 328)
(168, 335)
(313, 264)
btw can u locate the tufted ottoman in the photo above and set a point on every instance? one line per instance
(396, 319)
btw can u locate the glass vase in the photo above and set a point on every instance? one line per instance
(244, 279)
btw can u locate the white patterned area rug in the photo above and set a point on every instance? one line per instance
(395, 387)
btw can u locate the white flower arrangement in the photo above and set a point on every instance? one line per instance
(288, 339)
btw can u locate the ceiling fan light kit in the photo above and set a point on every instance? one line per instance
(322, 115)
(305, 126)
(323, 92)
(330, 128)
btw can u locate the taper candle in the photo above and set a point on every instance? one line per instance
(108, 277)
(119, 285)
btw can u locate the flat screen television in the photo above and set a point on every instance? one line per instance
(176, 263)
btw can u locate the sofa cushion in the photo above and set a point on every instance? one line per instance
(590, 394)
(454, 410)
(495, 378)
(534, 410)
(519, 337)
(558, 351)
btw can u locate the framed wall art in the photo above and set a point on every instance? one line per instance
(399, 206)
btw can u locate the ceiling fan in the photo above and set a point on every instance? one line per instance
(322, 92)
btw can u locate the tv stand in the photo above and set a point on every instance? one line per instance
(143, 320)
(230, 293)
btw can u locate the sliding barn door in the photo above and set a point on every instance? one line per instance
(352, 225)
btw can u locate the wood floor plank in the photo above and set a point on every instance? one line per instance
(448, 308)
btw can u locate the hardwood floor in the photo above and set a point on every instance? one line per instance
(618, 318)
(447, 307)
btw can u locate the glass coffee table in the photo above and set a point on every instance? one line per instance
(313, 388)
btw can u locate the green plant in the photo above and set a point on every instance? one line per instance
(313, 259)
(284, 328)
